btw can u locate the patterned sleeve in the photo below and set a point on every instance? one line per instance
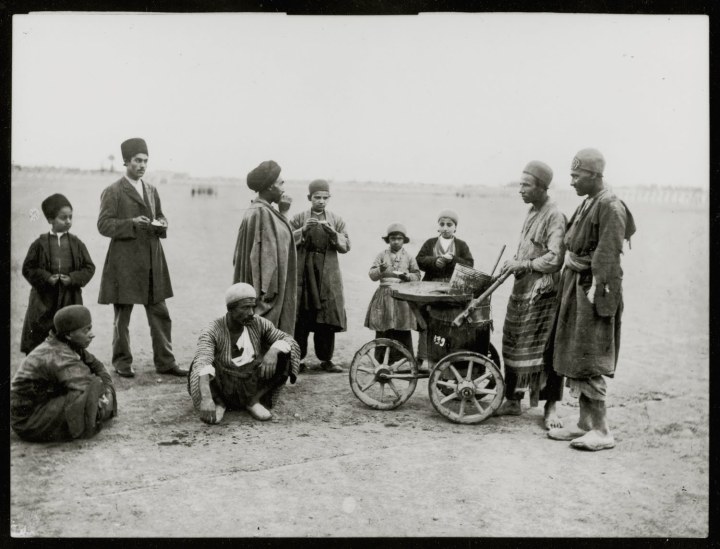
(413, 269)
(552, 260)
(205, 351)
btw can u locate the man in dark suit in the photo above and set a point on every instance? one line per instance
(135, 271)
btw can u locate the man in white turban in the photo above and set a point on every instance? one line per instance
(241, 361)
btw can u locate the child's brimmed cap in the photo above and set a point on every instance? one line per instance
(396, 228)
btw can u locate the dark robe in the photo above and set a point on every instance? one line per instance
(320, 286)
(45, 298)
(265, 258)
(587, 340)
(135, 269)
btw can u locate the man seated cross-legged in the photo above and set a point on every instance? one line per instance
(241, 362)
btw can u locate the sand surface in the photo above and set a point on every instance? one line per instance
(326, 465)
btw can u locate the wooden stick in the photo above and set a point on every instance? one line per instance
(459, 319)
(498, 260)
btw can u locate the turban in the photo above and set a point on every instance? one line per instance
(53, 204)
(318, 185)
(240, 294)
(590, 160)
(396, 228)
(449, 214)
(263, 176)
(131, 147)
(71, 318)
(540, 171)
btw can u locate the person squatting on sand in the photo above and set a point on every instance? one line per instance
(241, 361)
(526, 343)
(57, 266)
(61, 391)
(135, 270)
(265, 255)
(587, 339)
(390, 317)
(320, 236)
(437, 258)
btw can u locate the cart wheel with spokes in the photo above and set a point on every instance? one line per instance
(383, 374)
(466, 387)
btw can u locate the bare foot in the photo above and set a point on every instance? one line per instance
(259, 412)
(509, 408)
(550, 418)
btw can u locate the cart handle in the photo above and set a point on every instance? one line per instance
(459, 319)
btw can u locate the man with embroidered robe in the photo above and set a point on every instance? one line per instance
(533, 303)
(241, 362)
(265, 255)
(587, 339)
(135, 270)
(320, 236)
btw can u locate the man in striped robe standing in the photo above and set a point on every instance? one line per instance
(532, 306)
(241, 361)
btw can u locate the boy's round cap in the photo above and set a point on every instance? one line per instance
(53, 204)
(590, 160)
(541, 171)
(264, 175)
(449, 214)
(71, 318)
(318, 185)
(133, 146)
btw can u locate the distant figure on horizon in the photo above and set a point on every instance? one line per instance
(587, 338)
(437, 258)
(531, 308)
(320, 236)
(265, 255)
(57, 266)
(135, 270)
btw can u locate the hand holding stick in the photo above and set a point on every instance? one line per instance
(475, 303)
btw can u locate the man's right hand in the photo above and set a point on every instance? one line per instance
(207, 410)
(141, 222)
(53, 279)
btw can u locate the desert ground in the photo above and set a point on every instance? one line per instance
(328, 466)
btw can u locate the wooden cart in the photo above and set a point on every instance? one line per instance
(465, 383)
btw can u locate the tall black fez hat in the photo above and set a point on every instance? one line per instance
(133, 146)
(52, 205)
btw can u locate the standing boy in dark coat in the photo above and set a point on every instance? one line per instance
(57, 266)
(135, 270)
(320, 236)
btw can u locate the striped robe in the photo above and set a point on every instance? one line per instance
(214, 347)
(533, 303)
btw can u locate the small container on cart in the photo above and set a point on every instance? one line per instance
(465, 383)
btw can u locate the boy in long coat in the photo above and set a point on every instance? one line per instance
(587, 339)
(135, 270)
(265, 254)
(57, 266)
(320, 236)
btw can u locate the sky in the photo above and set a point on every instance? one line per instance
(434, 98)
